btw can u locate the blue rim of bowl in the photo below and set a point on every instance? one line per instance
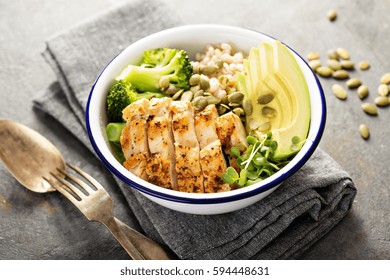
(219, 200)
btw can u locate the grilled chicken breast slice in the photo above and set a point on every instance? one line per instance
(189, 173)
(160, 166)
(213, 164)
(133, 139)
(205, 127)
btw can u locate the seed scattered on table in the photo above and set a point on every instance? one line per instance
(354, 83)
(332, 15)
(313, 55)
(334, 64)
(382, 101)
(332, 54)
(362, 91)
(314, 64)
(383, 90)
(364, 65)
(340, 75)
(347, 64)
(370, 109)
(364, 131)
(324, 71)
(339, 91)
(385, 79)
(343, 53)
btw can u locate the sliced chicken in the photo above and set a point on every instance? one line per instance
(188, 169)
(205, 128)
(134, 140)
(160, 167)
(213, 166)
(212, 159)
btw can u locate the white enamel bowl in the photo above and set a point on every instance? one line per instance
(193, 39)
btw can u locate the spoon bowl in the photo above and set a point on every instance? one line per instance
(29, 156)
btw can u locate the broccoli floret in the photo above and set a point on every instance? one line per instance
(121, 94)
(114, 131)
(172, 65)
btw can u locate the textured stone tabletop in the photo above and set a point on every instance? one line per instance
(32, 226)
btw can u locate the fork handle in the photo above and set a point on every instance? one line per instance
(120, 236)
(147, 247)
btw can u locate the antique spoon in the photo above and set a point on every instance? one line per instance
(31, 158)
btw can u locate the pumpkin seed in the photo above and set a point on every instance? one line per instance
(199, 93)
(362, 91)
(364, 131)
(225, 100)
(211, 99)
(221, 110)
(177, 94)
(385, 79)
(324, 71)
(340, 74)
(236, 97)
(339, 91)
(223, 80)
(332, 54)
(369, 109)
(364, 65)
(334, 64)
(343, 53)
(264, 126)
(194, 80)
(209, 69)
(194, 89)
(268, 112)
(238, 111)
(196, 68)
(204, 82)
(234, 104)
(163, 83)
(199, 103)
(347, 64)
(172, 89)
(332, 15)
(382, 101)
(313, 55)
(265, 98)
(383, 90)
(187, 95)
(247, 106)
(314, 64)
(354, 83)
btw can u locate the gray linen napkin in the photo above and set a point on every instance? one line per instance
(281, 226)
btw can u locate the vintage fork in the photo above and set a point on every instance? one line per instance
(97, 205)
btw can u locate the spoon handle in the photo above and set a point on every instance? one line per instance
(147, 247)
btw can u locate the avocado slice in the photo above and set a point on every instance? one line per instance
(276, 88)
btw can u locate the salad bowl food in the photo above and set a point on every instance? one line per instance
(267, 108)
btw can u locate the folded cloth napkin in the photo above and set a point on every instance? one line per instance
(281, 226)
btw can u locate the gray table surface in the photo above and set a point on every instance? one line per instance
(33, 226)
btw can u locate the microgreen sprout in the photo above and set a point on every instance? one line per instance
(256, 163)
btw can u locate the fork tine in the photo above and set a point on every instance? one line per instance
(61, 189)
(83, 185)
(89, 178)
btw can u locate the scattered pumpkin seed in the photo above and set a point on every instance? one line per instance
(247, 106)
(347, 64)
(362, 91)
(223, 80)
(221, 110)
(382, 101)
(236, 97)
(340, 74)
(177, 94)
(385, 79)
(334, 64)
(199, 93)
(172, 89)
(195, 89)
(364, 65)
(268, 112)
(383, 90)
(332, 54)
(238, 111)
(234, 104)
(313, 55)
(265, 98)
(187, 95)
(194, 80)
(199, 103)
(204, 82)
(324, 71)
(332, 15)
(364, 131)
(370, 109)
(354, 83)
(339, 91)
(196, 68)
(209, 69)
(211, 99)
(343, 53)
(314, 64)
